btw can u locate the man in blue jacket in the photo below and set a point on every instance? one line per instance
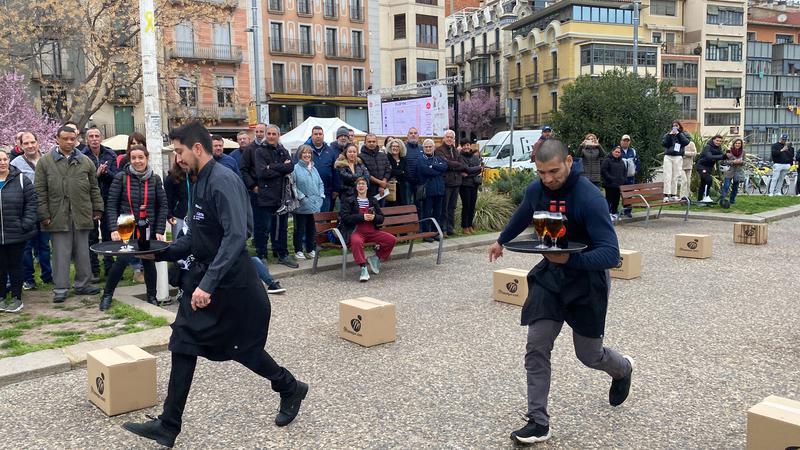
(632, 165)
(105, 163)
(566, 287)
(413, 154)
(324, 157)
(218, 153)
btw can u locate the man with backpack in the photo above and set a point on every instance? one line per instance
(632, 165)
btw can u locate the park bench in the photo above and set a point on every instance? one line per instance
(648, 196)
(400, 221)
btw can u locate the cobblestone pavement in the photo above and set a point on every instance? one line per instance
(710, 338)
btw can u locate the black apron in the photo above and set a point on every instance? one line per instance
(557, 292)
(237, 319)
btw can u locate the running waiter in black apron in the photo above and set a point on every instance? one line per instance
(225, 315)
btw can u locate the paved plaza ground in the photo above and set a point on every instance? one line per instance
(710, 339)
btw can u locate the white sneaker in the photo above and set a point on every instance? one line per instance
(374, 264)
(312, 254)
(771, 194)
(364, 275)
(299, 255)
(666, 199)
(614, 217)
(706, 199)
(674, 198)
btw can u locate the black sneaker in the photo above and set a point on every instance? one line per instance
(288, 262)
(621, 388)
(95, 278)
(105, 302)
(88, 290)
(59, 297)
(531, 433)
(290, 406)
(275, 288)
(152, 429)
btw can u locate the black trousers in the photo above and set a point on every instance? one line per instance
(449, 208)
(705, 183)
(114, 274)
(94, 238)
(304, 233)
(612, 197)
(11, 267)
(469, 196)
(182, 374)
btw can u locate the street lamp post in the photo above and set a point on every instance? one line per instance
(636, 6)
(256, 75)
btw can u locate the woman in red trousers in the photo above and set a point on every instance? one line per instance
(359, 218)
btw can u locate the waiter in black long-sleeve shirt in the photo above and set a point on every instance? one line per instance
(225, 316)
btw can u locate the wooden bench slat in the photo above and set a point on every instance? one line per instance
(397, 210)
(401, 229)
(395, 220)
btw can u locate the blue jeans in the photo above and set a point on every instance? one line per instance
(38, 245)
(432, 207)
(726, 184)
(326, 203)
(263, 271)
(260, 228)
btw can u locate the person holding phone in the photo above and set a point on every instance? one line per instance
(782, 154)
(674, 143)
(358, 221)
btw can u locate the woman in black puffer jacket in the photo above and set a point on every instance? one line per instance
(17, 226)
(613, 172)
(134, 187)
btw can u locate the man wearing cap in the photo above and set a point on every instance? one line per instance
(782, 156)
(547, 133)
(632, 164)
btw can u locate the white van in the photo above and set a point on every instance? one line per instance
(497, 151)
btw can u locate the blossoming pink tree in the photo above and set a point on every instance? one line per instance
(476, 113)
(17, 113)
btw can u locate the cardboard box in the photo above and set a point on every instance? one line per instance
(121, 379)
(693, 246)
(750, 233)
(510, 286)
(773, 424)
(630, 265)
(367, 321)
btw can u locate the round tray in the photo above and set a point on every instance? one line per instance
(529, 246)
(113, 248)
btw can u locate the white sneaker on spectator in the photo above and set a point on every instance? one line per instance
(666, 199)
(706, 199)
(614, 217)
(312, 254)
(674, 198)
(364, 274)
(374, 264)
(299, 255)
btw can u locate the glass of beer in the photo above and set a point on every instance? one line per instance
(125, 226)
(539, 222)
(554, 224)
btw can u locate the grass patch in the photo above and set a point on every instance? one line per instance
(50, 320)
(98, 336)
(66, 333)
(133, 315)
(10, 333)
(747, 204)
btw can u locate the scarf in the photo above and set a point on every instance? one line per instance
(737, 153)
(148, 172)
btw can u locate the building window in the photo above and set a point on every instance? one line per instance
(656, 37)
(427, 2)
(357, 42)
(662, 7)
(276, 37)
(356, 10)
(680, 74)
(184, 33)
(330, 42)
(54, 101)
(305, 40)
(333, 81)
(723, 87)
(605, 15)
(536, 107)
(554, 100)
(427, 31)
(751, 35)
(723, 51)
(278, 81)
(307, 79)
(724, 15)
(358, 81)
(400, 71)
(187, 92)
(225, 86)
(330, 10)
(400, 27)
(784, 39)
(304, 7)
(427, 69)
(722, 119)
(275, 6)
(616, 55)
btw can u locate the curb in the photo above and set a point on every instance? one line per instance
(768, 216)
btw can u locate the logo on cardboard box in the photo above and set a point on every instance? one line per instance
(100, 386)
(749, 231)
(512, 286)
(692, 245)
(355, 325)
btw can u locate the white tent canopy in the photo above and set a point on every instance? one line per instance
(228, 144)
(300, 135)
(118, 142)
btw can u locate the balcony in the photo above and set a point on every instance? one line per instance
(321, 88)
(226, 112)
(493, 49)
(275, 6)
(296, 47)
(682, 49)
(45, 73)
(550, 75)
(515, 84)
(108, 130)
(681, 82)
(125, 95)
(215, 52)
(479, 51)
(334, 50)
(227, 4)
(305, 8)
(330, 9)
(532, 80)
(482, 82)
(356, 12)
(530, 120)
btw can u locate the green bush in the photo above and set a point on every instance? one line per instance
(513, 183)
(492, 210)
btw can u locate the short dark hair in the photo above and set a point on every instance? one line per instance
(316, 127)
(216, 137)
(550, 149)
(65, 129)
(141, 148)
(192, 133)
(717, 136)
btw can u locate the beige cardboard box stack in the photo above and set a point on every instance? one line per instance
(121, 379)
(510, 286)
(773, 424)
(630, 265)
(367, 321)
(693, 246)
(750, 233)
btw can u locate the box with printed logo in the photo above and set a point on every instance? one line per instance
(693, 246)
(121, 379)
(750, 233)
(774, 423)
(630, 265)
(367, 321)
(510, 286)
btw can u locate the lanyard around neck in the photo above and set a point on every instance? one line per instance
(130, 204)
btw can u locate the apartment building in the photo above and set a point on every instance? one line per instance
(409, 42)
(772, 96)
